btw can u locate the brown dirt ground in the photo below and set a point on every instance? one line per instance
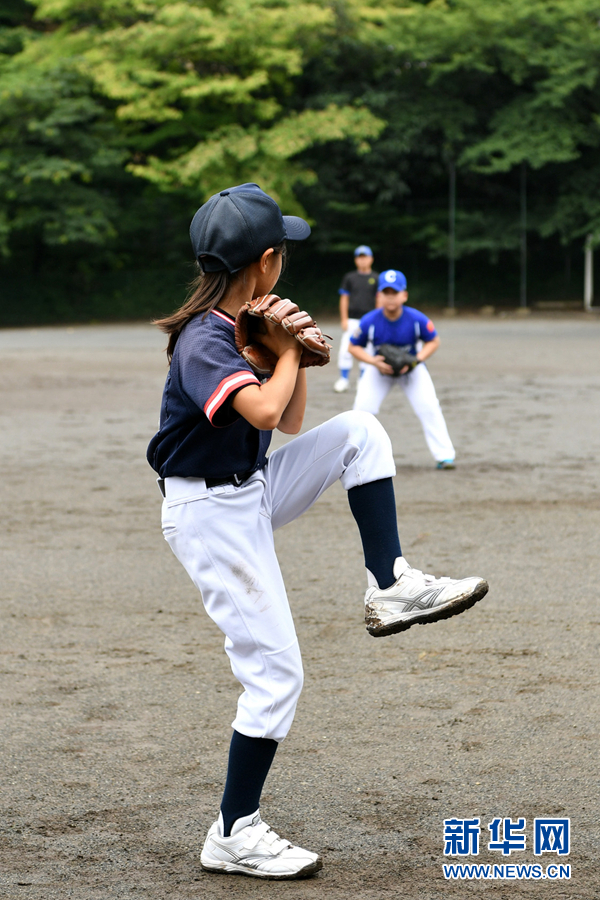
(116, 694)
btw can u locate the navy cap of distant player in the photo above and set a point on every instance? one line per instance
(392, 279)
(363, 250)
(235, 227)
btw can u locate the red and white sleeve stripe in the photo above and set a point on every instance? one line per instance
(220, 315)
(229, 384)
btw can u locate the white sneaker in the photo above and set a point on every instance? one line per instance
(254, 849)
(341, 385)
(415, 599)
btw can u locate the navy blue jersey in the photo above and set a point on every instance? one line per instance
(412, 326)
(201, 435)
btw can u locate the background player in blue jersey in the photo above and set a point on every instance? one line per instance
(358, 293)
(395, 323)
(223, 499)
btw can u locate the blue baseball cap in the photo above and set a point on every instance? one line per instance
(236, 226)
(363, 250)
(392, 279)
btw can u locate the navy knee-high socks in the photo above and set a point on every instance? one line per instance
(373, 506)
(249, 763)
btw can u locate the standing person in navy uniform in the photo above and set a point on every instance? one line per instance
(358, 293)
(395, 323)
(223, 499)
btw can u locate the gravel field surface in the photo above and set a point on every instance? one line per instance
(116, 694)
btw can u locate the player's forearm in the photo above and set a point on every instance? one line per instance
(344, 304)
(361, 354)
(428, 349)
(263, 406)
(293, 414)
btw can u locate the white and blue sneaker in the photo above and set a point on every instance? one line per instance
(446, 464)
(341, 385)
(416, 599)
(254, 849)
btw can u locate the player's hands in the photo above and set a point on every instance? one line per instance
(277, 339)
(381, 365)
(258, 341)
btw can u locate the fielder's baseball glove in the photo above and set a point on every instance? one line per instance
(397, 357)
(315, 349)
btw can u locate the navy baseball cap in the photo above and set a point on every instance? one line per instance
(363, 250)
(392, 279)
(236, 226)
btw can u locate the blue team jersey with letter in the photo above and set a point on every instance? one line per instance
(201, 435)
(412, 326)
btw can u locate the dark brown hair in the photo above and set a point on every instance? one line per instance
(205, 292)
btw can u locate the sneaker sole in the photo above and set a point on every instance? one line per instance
(233, 869)
(453, 608)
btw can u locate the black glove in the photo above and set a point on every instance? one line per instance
(397, 357)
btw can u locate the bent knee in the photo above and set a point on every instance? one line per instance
(361, 426)
(368, 454)
(354, 418)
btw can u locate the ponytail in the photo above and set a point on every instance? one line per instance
(206, 291)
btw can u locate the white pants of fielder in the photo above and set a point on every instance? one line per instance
(223, 536)
(374, 387)
(345, 359)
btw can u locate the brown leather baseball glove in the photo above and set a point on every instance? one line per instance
(315, 349)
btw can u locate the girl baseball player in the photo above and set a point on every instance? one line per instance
(395, 323)
(223, 499)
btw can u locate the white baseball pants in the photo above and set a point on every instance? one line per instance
(374, 387)
(223, 537)
(345, 359)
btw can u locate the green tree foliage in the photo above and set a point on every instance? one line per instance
(487, 86)
(201, 92)
(537, 67)
(118, 117)
(59, 150)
